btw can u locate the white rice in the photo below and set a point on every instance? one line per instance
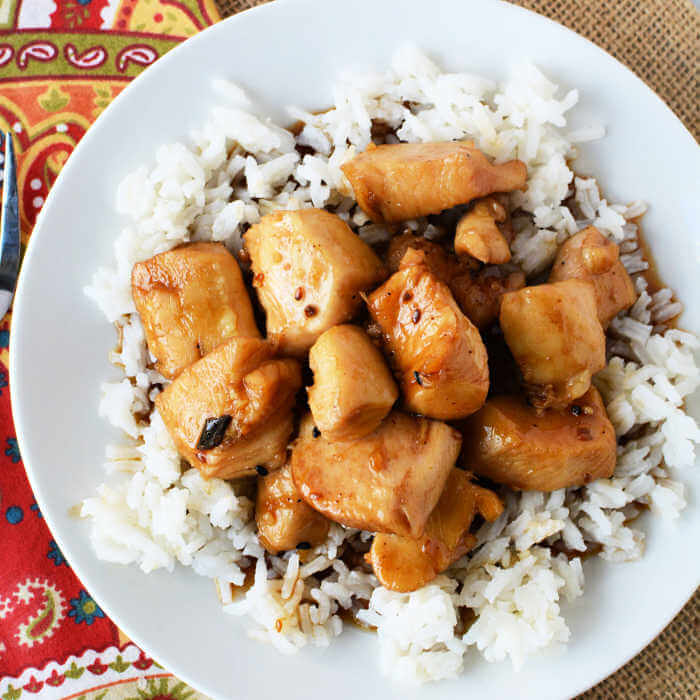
(240, 166)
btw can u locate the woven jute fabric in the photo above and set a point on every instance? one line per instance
(659, 41)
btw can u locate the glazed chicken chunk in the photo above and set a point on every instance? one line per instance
(283, 519)
(481, 232)
(555, 337)
(404, 564)
(403, 181)
(511, 443)
(477, 291)
(310, 270)
(387, 481)
(353, 389)
(435, 255)
(479, 294)
(590, 256)
(437, 353)
(232, 410)
(190, 300)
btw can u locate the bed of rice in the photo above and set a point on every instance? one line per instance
(154, 513)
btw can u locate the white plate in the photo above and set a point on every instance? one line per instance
(289, 53)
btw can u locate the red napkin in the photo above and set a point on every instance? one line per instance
(61, 63)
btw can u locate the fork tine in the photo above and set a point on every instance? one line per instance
(9, 221)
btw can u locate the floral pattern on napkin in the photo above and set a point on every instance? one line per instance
(61, 63)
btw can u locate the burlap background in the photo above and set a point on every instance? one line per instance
(658, 40)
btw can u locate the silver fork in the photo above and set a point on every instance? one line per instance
(9, 227)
